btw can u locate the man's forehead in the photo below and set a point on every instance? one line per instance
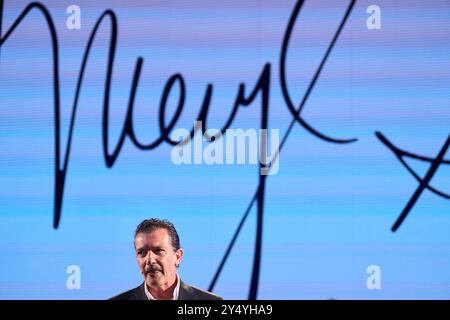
(157, 237)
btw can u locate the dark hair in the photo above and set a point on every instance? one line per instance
(150, 225)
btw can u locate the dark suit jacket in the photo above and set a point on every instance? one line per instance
(186, 292)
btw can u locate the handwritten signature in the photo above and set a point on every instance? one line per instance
(243, 98)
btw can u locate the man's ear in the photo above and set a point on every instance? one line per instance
(179, 255)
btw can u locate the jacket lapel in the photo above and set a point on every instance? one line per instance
(186, 292)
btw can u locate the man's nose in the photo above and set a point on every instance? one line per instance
(151, 257)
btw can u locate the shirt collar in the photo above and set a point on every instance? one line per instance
(176, 291)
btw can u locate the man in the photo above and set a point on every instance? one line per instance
(158, 254)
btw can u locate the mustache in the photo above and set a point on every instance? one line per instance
(152, 268)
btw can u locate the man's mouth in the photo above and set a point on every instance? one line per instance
(152, 271)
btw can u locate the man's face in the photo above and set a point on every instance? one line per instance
(156, 258)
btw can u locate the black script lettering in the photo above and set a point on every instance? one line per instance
(259, 194)
(423, 183)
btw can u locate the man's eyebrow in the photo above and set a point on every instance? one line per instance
(150, 248)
